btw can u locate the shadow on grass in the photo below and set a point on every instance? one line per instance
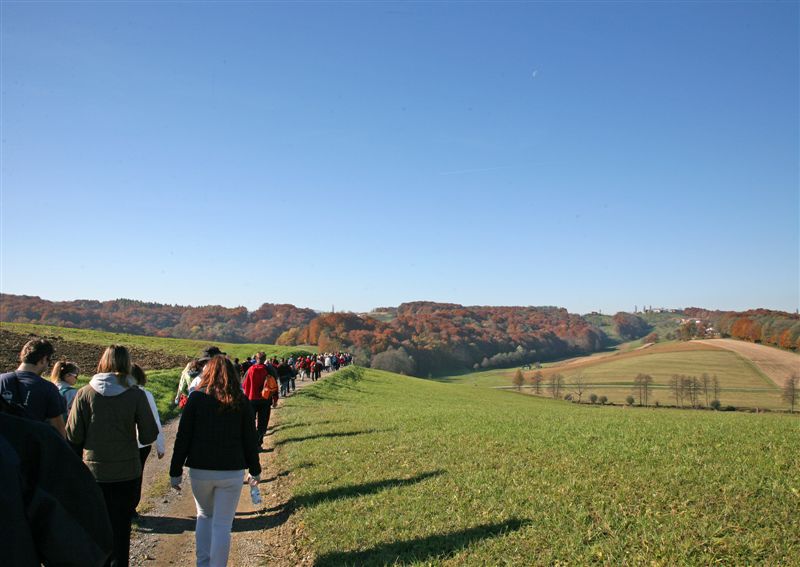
(420, 550)
(333, 434)
(353, 491)
(303, 424)
(357, 490)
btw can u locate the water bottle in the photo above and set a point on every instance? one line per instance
(255, 495)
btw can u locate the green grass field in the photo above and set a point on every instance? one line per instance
(188, 347)
(742, 383)
(390, 470)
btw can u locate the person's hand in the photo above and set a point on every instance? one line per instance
(175, 482)
(253, 480)
(177, 399)
(160, 454)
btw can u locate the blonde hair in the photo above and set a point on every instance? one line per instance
(61, 369)
(117, 360)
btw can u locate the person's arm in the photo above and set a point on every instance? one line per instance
(184, 381)
(145, 422)
(58, 423)
(250, 440)
(246, 383)
(160, 439)
(183, 439)
(78, 422)
(56, 408)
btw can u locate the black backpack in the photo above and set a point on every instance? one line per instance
(10, 399)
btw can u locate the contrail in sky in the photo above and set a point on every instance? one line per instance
(475, 170)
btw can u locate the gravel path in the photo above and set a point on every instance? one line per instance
(267, 534)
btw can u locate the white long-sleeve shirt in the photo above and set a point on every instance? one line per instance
(160, 439)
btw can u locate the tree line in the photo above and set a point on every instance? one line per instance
(765, 326)
(427, 338)
(687, 391)
(210, 322)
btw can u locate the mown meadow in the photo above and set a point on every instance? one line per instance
(741, 383)
(395, 470)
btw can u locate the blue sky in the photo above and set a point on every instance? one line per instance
(589, 155)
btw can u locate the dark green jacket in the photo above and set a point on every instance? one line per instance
(104, 426)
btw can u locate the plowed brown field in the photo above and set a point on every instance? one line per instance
(85, 355)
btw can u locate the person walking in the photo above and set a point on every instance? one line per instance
(65, 376)
(102, 427)
(144, 450)
(283, 377)
(253, 386)
(26, 390)
(189, 373)
(53, 512)
(217, 440)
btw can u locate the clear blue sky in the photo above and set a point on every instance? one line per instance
(588, 155)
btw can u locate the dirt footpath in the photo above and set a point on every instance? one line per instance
(267, 534)
(777, 364)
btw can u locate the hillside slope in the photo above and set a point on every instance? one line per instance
(777, 364)
(395, 470)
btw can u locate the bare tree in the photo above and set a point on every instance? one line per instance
(691, 389)
(637, 387)
(715, 385)
(789, 394)
(536, 381)
(675, 385)
(556, 383)
(642, 385)
(705, 380)
(647, 385)
(580, 386)
(518, 379)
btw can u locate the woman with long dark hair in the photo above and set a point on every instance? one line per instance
(217, 440)
(102, 426)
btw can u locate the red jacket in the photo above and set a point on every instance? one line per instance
(254, 381)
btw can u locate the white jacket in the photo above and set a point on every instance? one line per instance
(160, 439)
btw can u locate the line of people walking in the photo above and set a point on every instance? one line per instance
(101, 449)
(84, 450)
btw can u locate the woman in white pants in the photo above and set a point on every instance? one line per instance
(217, 440)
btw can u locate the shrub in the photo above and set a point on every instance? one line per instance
(603, 400)
(629, 400)
(715, 405)
(593, 398)
(395, 360)
(568, 397)
(350, 373)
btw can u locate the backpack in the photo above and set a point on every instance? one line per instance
(10, 399)
(270, 387)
